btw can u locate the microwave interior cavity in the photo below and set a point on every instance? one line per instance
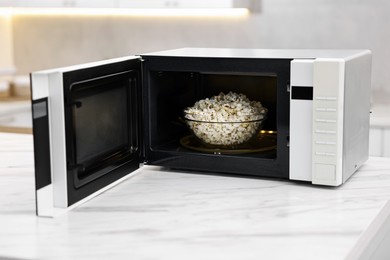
(171, 92)
(170, 85)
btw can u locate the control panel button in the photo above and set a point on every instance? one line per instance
(325, 109)
(326, 98)
(322, 120)
(325, 132)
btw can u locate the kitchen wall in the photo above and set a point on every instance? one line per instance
(6, 46)
(44, 42)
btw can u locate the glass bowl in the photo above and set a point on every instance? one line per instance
(225, 134)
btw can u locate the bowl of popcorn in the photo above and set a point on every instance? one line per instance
(225, 120)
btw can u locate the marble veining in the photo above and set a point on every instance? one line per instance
(164, 214)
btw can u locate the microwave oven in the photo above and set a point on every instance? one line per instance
(94, 124)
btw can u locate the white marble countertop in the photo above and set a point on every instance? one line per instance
(159, 214)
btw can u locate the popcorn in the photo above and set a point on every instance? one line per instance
(225, 120)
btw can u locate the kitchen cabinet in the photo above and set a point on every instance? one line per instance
(375, 142)
(386, 143)
(64, 3)
(380, 142)
(380, 131)
(386, 148)
(127, 3)
(32, 3)
(182, 4)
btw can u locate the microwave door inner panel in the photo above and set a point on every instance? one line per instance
(92, 130)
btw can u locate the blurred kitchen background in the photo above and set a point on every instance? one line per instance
(40, 39)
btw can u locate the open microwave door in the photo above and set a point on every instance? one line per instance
(86, 126)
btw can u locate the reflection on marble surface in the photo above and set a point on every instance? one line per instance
(161, 214)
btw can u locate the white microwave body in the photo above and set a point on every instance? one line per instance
(320, 103)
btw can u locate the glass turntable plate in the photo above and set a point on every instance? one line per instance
(260, 143)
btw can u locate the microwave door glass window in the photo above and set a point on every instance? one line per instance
(101, 127)
(100, 124)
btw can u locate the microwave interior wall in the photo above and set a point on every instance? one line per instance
(173, 84)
